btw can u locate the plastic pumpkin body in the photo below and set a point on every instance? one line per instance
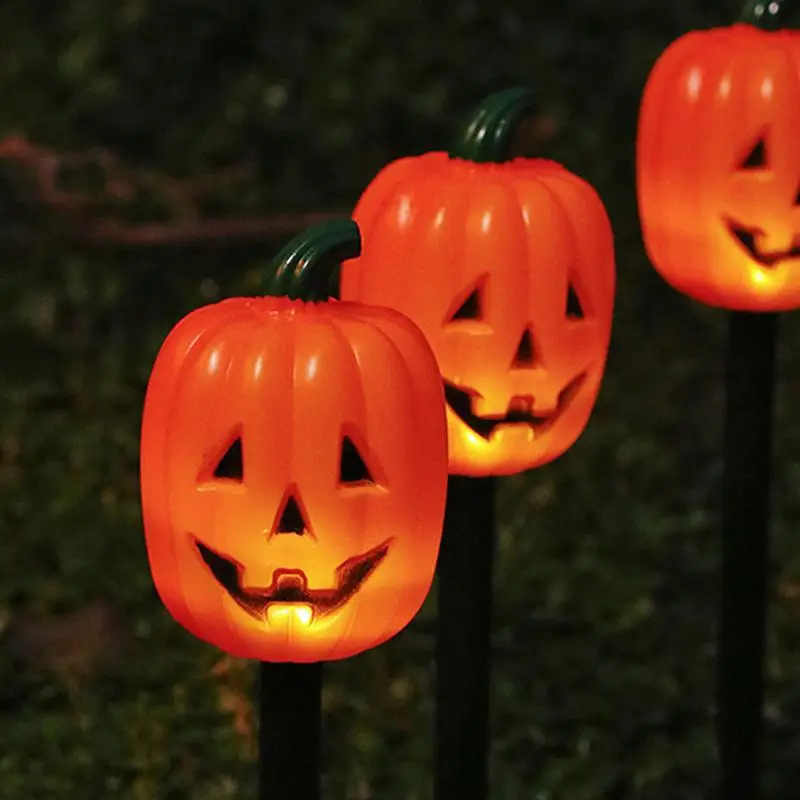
(293, 474)
(508, 269)
(718, 167)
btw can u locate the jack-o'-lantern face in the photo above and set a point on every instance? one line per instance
(508, 269)
(289, 595)
(718, 167)
(293, 476)
(491, 398)
(764, 199)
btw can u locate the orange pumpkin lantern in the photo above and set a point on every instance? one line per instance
(718, 164)
(293, 466)
(507, 265)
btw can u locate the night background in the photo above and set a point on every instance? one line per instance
(153, 158)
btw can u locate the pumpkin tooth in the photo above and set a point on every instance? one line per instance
(290, 581)
(522, 405)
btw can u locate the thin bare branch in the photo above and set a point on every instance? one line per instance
(120, 184)
(207, 230)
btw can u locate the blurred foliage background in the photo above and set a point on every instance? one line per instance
(174, 113)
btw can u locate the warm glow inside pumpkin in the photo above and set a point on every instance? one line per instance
(718, 164)
(508, 268)
(293, 470)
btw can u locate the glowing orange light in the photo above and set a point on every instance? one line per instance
(718, 165)
(293, 469)
(508, 268)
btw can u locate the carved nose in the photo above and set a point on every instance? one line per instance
(525, 357)
(291, 519)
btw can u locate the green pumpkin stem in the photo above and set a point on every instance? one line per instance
(306, 267)
(765, 14)
(486, 134)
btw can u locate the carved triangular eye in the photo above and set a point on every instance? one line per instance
(352, 468)
(756, 157)
(470, 308)
(797, 197)
(231, 465)
(574, 307)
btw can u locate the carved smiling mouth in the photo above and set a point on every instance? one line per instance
(290, 586)
(747, 239)
(460, 401)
